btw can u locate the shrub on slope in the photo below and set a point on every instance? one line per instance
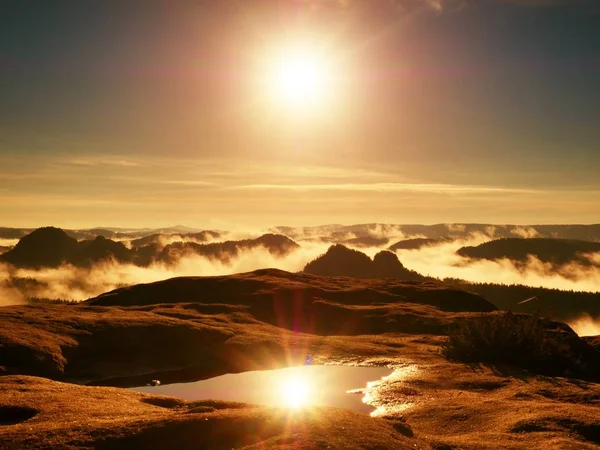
(525, 341)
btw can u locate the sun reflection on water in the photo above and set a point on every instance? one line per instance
(296, 391)
(298, 387)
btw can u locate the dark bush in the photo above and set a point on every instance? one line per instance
(525, 341)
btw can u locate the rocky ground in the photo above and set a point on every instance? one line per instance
(191, 328)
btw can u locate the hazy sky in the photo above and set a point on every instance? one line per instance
(127, 113)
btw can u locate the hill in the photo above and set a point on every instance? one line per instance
(44, 247)
(555, 251)
(342, 261)
(210, 321)
(196, 327)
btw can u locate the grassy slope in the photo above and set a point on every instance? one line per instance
(480, 407)
(243, 322)
(221, 323)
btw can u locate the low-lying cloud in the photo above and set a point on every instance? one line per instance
(439, 261)
(76, 283)
(8, 242)
(586, 326)
(525, 232)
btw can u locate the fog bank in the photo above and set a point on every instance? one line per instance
(439, 261)
(586, 326)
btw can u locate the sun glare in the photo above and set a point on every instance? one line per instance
(300, 77)
(295, 392)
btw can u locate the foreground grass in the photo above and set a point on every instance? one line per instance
(37, 413)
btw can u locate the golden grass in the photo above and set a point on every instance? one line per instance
(71, 416)
(203, 327)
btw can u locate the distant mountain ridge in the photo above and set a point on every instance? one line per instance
(158, 238)
(52, 247)
(276, 244)
(337, 233)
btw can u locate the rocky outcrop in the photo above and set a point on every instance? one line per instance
(342, 261)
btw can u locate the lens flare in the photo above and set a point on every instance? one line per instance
(295, 392)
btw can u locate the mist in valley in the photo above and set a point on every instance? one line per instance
(68, 282)
(440, 260)
(586, 325)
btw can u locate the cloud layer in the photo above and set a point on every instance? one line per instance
(440, 261)
(80, 192)
(586, 326)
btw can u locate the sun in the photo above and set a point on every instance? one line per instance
(300, 77)
(295, 392)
